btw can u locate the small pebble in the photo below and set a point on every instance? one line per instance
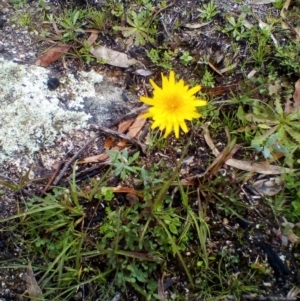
(2, 21)
(124, 96)
(53, 83)
(2, 207)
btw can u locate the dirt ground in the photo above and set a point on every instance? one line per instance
(246, 237)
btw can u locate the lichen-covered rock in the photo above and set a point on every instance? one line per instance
(31, 115)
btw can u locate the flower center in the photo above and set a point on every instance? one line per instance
(174, 103)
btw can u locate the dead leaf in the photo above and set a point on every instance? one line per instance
(136, 126)
(121, 189)
(160, 288)
(132, 198)
(285, 8)
(269, 187)
(94, 159)
(109, 143)
(251, 73)
(120, 145)
(112, 57)
(143, 72)
(262, 168)
(33, 289)
(52, 55)
(214, 68)
(219, 90)
(196, 25)
(288, 106)
(229, 68)
(222, 158)
(92, 38)
(92, 30)
(261, 2)
(296, 95)
(124, 126)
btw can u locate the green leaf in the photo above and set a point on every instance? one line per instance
(241, 114)
(295, 115)
(129, 32)
(76, 17)
(263, 126)
(261, 118)
(173, 228)
(278, 106)
(294, 134)
(266, 153)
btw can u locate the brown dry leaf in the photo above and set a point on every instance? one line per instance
(124, 126)
(120, 145)
(285, 8)
(262, 168)
(52, 55)
(293, 238)
(251, 73)
(132, 199)
(121, 189)
(94, 159)
(269, 187)
(229, 68)
(33, 289)
(297, 31)
(219, 90)
(136, 126)
(57, 31)
(296, 95)
(55, 165)
(92, 38)
(109, 143)
(196, 25)
(261, 2)
(160, 288)
(143, 72)
(112, 57)
(214, 68)
(222, 157)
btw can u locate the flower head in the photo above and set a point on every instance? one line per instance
(172, 104)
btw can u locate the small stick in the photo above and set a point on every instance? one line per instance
(52, 178)
(108, 131)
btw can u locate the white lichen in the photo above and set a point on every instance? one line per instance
(32, 116)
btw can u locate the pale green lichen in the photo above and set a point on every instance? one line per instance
(32, 116)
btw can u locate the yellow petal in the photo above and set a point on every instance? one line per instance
(176, 130)
(194, 90)
(172, 77)
(183, 126)
(147, 100)
(154, 85)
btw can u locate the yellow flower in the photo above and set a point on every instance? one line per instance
(172, 104)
